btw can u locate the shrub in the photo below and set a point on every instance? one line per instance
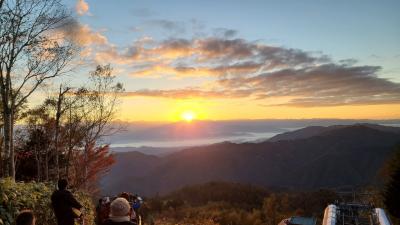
(17, 196)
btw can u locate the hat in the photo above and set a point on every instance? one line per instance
(119, 208)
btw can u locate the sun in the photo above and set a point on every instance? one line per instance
(188, 116)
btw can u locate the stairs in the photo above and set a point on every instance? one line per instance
(354, 214)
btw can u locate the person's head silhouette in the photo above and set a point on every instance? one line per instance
(62, 184)
(26, 217)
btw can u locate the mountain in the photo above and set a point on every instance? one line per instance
(333, 157)
(302, 133)
(157, 151)
(319, 130)
(200, 132)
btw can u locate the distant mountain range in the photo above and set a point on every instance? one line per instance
(157, 151)
(309, 158)
(201, 132)
(320, 130)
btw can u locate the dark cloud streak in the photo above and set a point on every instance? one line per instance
(168, 25)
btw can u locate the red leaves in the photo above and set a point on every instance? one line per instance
(90, 164)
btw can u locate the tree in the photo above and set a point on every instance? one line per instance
(275, 207)
(96, 108)
(59, 108)
(66, 131)
(36, 141)
(59, 113)
(30, 54)
(98, 161)
(391, 195)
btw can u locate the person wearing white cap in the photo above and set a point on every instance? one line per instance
(120, 213)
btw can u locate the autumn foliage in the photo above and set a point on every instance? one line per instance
(98, 159)
(64, 136)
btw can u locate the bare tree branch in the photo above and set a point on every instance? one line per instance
(29, 55)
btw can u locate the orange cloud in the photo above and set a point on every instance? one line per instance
(186, 93)
(157, 70)
(82, 34)
(324, 85)
(109, 54)
(82, 7)
(240, 68)
(172, 49)
(210, 57)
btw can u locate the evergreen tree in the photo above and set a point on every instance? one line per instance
(392, 190)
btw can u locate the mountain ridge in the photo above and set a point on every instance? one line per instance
(344, 156)
(320, 130)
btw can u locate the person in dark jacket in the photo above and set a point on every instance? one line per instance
(64, 203)
(120, 213)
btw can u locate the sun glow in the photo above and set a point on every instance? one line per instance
(188, 116)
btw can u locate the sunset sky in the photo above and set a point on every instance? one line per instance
(228, 60)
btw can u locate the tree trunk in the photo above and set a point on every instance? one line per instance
(56, 150)
(85, 175)
(68, 160)
(70, 147)
(57, 131)
(38, 171)
(7, 131)
(6, 127)
(59, 112)
(1, 155)
(12, 152)
(46, 166)
(8, 118)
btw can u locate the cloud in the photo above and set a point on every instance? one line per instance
(170, 49)
(109, 54)
(182, 70)
(159, 70)
(82, 34)
(225, 48)
(93, 44)
(185, 93)
(324, 85)
(225, 53)
(239, 68)
(348, 62)
(139, 57)
(168, 25)
(225, 33)
(211, 57)
(82, 7)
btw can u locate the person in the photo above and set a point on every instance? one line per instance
(98, 212)
(129, 198)
(137, 202)
(25, 217)
(103, 210)
(65, 206)
(120, 213)
(125, 195)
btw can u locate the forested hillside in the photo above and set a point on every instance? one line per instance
(234, 204)
(344, 157)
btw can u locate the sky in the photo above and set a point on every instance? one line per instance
(231, 60)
